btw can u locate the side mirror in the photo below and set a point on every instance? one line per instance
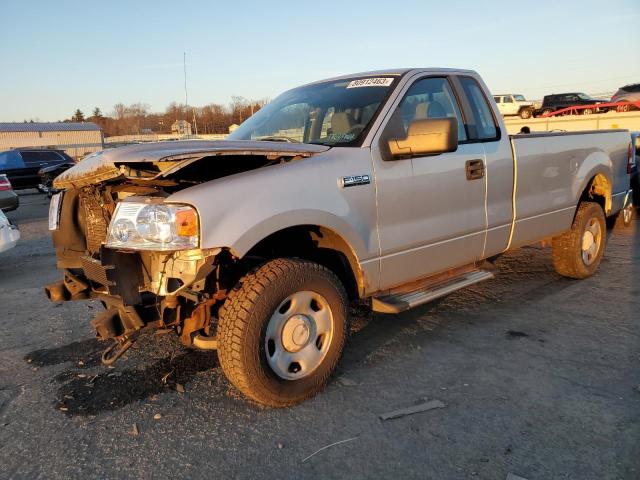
(427, 137)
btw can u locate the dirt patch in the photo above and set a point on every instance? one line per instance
(85, 351)
(113, 389)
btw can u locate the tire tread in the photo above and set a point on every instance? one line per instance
(234, 330)
(566, 248)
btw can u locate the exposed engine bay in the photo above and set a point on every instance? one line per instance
(176, 290)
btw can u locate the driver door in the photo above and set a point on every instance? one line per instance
(431, 215)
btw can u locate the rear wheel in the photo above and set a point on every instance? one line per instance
(281, 331)
(578, 252)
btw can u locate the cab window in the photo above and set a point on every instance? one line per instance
(426, 98)
(481, 125)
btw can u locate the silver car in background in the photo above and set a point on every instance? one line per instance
(628, 93)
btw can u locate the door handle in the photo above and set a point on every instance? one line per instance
(474, 169)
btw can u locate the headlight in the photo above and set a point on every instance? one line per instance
(155, 226)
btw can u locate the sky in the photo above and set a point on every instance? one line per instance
(57, 56)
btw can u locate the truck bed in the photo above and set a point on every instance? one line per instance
(552, 169)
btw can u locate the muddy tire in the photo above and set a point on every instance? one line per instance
(578, 252)
(281, 331)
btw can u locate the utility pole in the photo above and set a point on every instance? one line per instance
(184, 64)
(186, 96)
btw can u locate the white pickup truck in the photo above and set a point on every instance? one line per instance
(389, 187)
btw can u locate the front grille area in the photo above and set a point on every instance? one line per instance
(94, 270)
(96, 221)
(120, 272)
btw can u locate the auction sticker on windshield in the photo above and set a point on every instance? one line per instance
(371, 82)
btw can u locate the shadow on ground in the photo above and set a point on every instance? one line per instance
(85, 393)
(160, 363)
(85, 351)
(112, 390)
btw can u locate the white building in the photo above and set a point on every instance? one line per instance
(76, 138)
(181, 127)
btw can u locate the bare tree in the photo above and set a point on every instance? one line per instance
(211, 118)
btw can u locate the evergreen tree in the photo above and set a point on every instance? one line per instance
(78, 116)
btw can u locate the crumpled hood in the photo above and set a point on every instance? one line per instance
(169, 156)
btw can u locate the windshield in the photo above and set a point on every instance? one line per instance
(520, 98)
(330, 113)
(584, 96)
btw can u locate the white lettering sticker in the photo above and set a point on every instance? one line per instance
(371, 82)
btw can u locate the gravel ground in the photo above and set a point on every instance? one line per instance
(540, 377)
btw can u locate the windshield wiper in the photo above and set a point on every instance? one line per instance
(276, 138)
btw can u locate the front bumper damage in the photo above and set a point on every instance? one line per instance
(147, 291)
(141, 291)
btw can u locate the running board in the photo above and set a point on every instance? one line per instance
(404, 301)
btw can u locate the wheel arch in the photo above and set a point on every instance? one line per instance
(316, 243)
(598, 189)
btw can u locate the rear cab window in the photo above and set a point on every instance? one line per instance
(480, 122)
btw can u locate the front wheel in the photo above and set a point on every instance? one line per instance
(281, 331)
(578, 252)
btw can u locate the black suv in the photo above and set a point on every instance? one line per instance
(21, 166)
(551, 103)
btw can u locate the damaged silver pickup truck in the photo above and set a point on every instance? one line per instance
(387, 187)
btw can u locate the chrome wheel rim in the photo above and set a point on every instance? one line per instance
(298, 335)
(591, 241)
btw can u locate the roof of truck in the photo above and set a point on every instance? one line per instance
(391, 71)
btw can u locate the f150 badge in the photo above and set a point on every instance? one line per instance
(354, 180)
